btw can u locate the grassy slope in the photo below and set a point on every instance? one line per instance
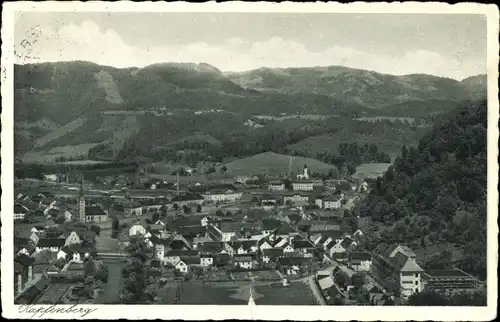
(274, 164)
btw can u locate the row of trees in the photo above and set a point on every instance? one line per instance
(135, 286)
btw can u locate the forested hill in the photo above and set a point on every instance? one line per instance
(435, 194)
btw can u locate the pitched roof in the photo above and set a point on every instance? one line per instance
(272, 252)
(94, 210)
(242, 259)
(289, 261)
(50, 242)
(297, 244)
(360, 256)
(326, 282)
(211, 247)
(180, 253)
(24, 260)
(271, 224)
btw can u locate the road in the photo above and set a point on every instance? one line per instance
(315, 291)
(111, 290)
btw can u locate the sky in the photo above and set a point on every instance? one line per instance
(447, 45)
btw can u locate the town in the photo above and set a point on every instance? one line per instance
(253, 239)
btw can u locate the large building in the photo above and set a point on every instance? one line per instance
(276, 186)
(303, 185)
(448, 279)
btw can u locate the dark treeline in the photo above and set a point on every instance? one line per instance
(218, 137)
(36, 171)
(436, 192)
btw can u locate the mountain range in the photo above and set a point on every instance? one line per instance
(57, 104)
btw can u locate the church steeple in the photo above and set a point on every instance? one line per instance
(81, 203)
(251, 301)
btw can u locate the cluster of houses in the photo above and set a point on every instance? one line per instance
(202, 241)
(58, 248)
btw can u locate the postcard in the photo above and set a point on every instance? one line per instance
(249, 160)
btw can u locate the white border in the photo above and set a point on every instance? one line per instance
(306, 313)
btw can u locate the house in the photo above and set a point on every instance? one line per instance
(32, 290)
(73, 238)
(360, 261)
(137, 230)
(244, 262)
(52, 244)
(303, 185)
(332, 202)
(358, 235)
(20, 211)
(133, 209)
(241, 247)
(95, 213)
(296, 199)
(229, 230)
(409, 274)
(180, 266)
(392, 251)
(206, 260)
(292, 265)
(68, 254)
(269, 226)
(303, 247)
(218, 195)
(24, 272)
(172, 256)
(276, 186)
(50, 177)
(271, 254)
(342, 247)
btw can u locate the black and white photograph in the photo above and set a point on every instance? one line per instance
(247, 158)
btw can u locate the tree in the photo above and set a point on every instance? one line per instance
(89, 267)
(96, 229)
(223, 169)
(198, 208)
(155, 217)
(176, 206)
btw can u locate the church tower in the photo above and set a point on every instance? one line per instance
(306, 172)
(81, 204)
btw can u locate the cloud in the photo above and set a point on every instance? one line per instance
(88, 41)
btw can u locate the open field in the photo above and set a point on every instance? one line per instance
(410, 120)
(311, 117)
(297, 293)
(371, 170)
(235, 293)
(68, 151)
(59, 132)
(274, 164)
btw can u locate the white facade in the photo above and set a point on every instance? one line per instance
(337, 249)
(330, 204)
(206, 261)
(181, 266)
(410, 282)
(19, 216)
(362, 266)
(244, 264)
(302, 186)
(160, 252)
(276, 187)
(222, 197)
(72, 239)
(288, 249)
(136, 230)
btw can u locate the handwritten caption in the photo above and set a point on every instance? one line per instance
(25, 52)
(41, 310)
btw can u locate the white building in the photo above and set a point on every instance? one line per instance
(136, 230)
(302, 185)
(276, 186)
(304, 175)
